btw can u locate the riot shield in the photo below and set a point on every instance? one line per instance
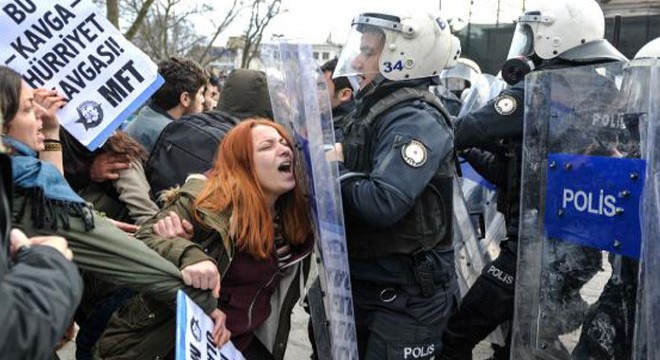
(644, 81)
(580, 237)
(478, 227)
(468, 254)
(300, 102)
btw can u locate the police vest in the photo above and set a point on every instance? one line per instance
(428, 225)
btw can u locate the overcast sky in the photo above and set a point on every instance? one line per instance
(313, 20)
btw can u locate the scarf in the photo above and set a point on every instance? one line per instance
(53, 200)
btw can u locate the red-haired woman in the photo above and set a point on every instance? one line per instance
(251, 231)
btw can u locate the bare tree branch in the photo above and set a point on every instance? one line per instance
(231, 15)
(256, 27)
(139, 19)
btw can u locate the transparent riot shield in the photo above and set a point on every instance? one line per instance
(478, 227)
(642, 77)
(468, 254)
(580, 235)
(300, 101)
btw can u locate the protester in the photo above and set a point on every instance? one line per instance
(182, 94)
(189, 146)
(211, 93)
(251, 224)
(39, 285)
(122, 194)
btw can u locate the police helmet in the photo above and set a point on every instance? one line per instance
(397, 47)
(568, 29)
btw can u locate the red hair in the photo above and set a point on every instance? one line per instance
(232, 185)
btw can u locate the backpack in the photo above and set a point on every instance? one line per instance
(186, 146)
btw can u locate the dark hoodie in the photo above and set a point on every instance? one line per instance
(188, 145)
(245, 94)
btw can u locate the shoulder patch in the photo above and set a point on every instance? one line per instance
(414, 153)
(505, 105)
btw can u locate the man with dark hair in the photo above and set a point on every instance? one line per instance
(341, 95)
(189, 145)
(182, 94)
(211, 93)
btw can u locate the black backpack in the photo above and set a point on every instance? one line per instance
(186, 146)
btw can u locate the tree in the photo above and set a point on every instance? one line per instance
(233, 12)
(262, 12)
(166, 30)
(161, 28)
(112, 9)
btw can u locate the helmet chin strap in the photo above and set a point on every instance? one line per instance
(370, 87)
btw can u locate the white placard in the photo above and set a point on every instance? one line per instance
(193, 334)
(70, 46)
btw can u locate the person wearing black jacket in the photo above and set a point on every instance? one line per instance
(397, 150)
(491, 140)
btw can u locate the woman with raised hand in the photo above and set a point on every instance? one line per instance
(250, 230)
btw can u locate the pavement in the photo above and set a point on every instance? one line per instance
(299, 347)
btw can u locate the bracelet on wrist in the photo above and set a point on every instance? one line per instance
(52, 146)
(52, 141)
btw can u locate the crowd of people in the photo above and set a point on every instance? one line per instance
(199, 192)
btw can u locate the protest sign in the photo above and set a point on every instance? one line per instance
(193, 334)
(68, 45)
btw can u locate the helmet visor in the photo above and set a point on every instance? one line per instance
(522, 43)
(360, 57)
(459, 71)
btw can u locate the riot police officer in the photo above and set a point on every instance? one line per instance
(397, 187)
(557, 34)
(455, 84)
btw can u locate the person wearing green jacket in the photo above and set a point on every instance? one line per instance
(250, 243)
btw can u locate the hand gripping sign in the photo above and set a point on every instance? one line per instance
(68, 45)
(301, 103)
(580, 232)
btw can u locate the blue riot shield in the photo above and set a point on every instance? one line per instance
(300, 102)
(580, 232)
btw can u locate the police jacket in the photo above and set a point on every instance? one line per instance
(495, 132)
(39, 292)
(400, 141)
(341, 114)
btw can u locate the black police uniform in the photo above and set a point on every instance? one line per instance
(493, 135)
(399, 220)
